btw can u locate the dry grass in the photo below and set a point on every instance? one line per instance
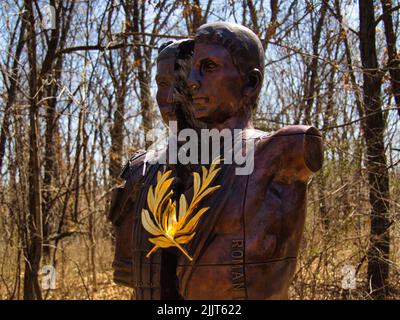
(323, 253)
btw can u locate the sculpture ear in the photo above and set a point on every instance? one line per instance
(254, 80)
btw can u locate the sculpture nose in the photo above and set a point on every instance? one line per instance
(193, 80)
(170, 96)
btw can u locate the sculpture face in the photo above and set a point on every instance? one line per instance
(216, 84)
(165, 79)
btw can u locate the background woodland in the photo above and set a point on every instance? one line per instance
(77, 98)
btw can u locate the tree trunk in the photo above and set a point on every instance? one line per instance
(193, 15)
(349, 59)
(49, 159)
(378, 251)
(144, 76)
(119, 78)
(52, 149)
(34, 249)
(311, 85)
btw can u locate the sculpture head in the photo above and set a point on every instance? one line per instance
(227, 72)
(173, 93)
(174, 98)
(165, 79)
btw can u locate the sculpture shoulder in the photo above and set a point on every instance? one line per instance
(131, 173)
(297, 148)
(309, 143)
(297, 129)
(133, 165)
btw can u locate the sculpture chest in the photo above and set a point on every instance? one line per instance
(251, 251)
(246, 244)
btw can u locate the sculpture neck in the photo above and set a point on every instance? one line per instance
(234, 123)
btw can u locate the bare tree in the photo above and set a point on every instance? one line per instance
(34, 244)
(378, 254)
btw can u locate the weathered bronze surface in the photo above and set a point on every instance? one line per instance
(246, 246)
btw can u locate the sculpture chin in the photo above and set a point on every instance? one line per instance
(201, 113)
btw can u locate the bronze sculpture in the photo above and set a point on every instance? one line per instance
(131, 268)
(246, 248)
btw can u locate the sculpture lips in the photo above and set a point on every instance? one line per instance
(169, 111)
(200, 103)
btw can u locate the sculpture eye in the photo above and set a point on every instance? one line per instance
(162, 84)
(209, 66)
